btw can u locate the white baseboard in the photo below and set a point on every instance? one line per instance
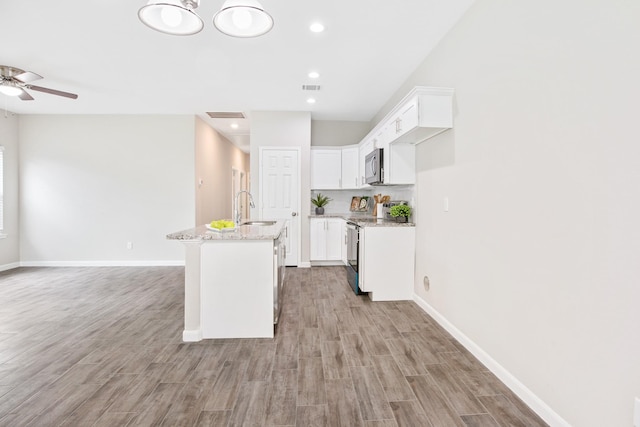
(304, 264)
(10, 266)
(142, 263)
(192, 335)
(327, 263)
(534, 402)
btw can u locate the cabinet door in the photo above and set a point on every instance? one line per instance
(400, 164)
(365, 148)
(317, 239)
(350, 168)
(407, 118)
(345, 249)
(326, 168)
(387, 262)
(334, 239)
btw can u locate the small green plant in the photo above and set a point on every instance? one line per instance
(400, 210)
(320, 200)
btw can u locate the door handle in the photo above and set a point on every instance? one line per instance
(294, 213)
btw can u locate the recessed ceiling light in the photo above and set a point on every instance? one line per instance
(234, 125)
(314, 75)
(317, 27)
(311, 100)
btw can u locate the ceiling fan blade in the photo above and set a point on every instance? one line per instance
(27, 77)
(25, 96)
(54, 92)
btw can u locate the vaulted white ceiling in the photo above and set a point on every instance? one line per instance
(101, 51)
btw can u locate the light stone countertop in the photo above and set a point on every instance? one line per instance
(365, 219)
(243, 232)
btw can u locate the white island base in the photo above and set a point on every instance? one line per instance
(228, 289)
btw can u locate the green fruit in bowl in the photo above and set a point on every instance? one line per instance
(222, 223)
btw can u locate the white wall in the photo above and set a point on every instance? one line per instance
(537, 261)
(90, 184)
(337, 132)
(284, 129)
(9, 245)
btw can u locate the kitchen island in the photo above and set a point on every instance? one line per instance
(232, 280)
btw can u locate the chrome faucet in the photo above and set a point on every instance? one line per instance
(238, 215)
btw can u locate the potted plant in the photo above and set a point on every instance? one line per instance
(320, 202)
(400, 212)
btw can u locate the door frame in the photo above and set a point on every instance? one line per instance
(298, 217)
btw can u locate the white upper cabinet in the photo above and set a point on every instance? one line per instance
(334, 168)
(399, 164)
(382, 137)
(366, 146)
(350, 168)
(326, 168)
(422, 114)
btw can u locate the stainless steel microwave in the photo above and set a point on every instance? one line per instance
(374, 167)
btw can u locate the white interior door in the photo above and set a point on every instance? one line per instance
(280, 193)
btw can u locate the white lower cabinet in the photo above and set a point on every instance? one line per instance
(387, 262)
(345, 250)
(326, 239)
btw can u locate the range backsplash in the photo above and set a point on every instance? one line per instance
(341, 199)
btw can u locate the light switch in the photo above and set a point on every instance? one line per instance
(636, 413)
(446, 204)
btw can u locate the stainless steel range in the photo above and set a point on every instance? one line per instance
(353, 255)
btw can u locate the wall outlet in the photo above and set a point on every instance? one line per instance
(129, 245)
(427, 285)
(636, 413)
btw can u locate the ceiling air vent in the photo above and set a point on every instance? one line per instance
(225, 115)
(310, 87)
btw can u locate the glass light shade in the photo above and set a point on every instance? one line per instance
(10, 90)
(243, 18)
(316, 27)
(174, 17)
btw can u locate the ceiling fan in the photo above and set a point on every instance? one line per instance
(14, 81)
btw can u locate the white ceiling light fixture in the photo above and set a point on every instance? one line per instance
(314, 75)
(316, 27)
(243, 18)
(175, 17)
(311, 100)
(234, 126)
(10, 89)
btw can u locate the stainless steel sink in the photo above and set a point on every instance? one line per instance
(258, 223)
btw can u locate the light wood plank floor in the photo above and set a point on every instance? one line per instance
(102, 347)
